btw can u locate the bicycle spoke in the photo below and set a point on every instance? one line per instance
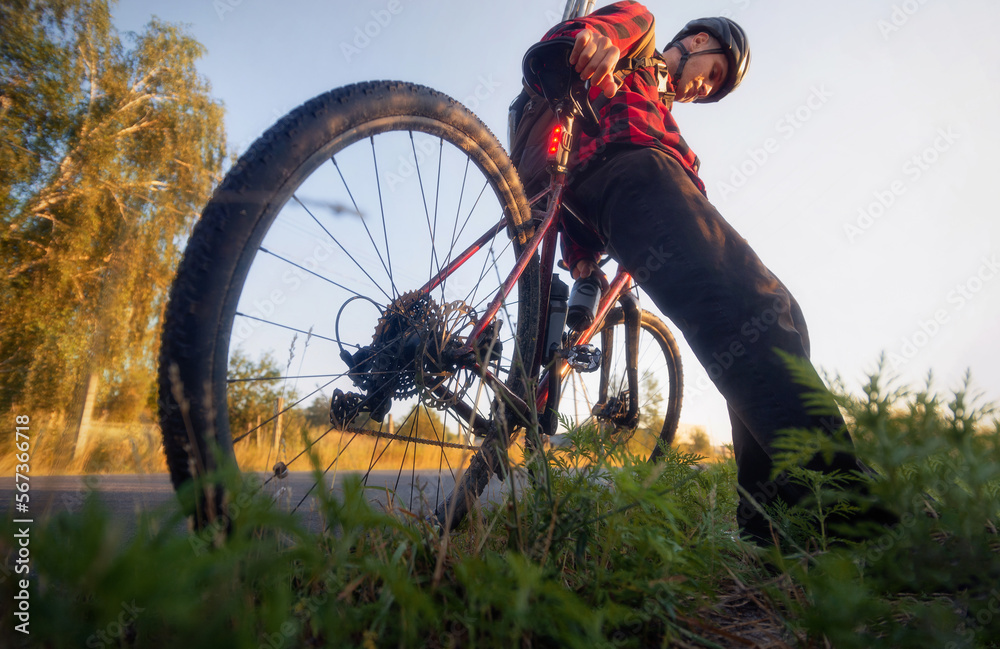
(398, 359)
(264, 423)
(458, 208)
(363, 221)
(471, 210)
(486, 267)
(287, 378)
(339, 245)
(402, 463)
(325, 279)
(427, 214)
(437, 197)
(303, 452)
(504, 304)
(375, 460)
(282, 326)
(381, 207)
(315, 484)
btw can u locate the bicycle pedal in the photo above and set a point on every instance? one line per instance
(582, 358)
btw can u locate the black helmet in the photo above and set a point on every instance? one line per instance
(735, 46)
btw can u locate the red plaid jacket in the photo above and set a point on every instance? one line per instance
(635, 115)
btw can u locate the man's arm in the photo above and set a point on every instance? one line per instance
(601, 38)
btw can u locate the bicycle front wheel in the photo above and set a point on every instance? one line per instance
(344, 257)
(660, 387)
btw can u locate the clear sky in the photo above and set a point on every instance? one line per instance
(859, 157)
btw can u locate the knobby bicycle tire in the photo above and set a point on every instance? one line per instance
(272, 178)
(661, 380)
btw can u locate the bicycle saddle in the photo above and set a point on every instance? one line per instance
(547, 72)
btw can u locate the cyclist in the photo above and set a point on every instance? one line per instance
(639, 183)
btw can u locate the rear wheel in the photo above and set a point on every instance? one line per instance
(309, 279)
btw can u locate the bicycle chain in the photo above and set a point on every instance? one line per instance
(404, 438)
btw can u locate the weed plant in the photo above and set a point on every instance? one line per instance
(593, 556)
(933, 578)
(598, 550)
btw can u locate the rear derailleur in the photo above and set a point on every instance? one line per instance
(415, 350)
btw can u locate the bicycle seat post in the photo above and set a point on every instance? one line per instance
(562, 146)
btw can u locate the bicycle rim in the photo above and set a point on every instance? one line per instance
(336, 229)
(659, 390)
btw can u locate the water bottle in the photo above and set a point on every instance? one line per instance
(583, 303)
(558, 296)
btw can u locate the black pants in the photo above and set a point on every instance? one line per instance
(732, 310)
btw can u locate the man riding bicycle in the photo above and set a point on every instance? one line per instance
(638, 181)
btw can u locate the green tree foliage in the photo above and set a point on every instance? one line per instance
(318, 412)
(652, 407)
(698, 442)
(109, 146)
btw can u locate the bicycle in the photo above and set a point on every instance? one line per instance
(267, 241)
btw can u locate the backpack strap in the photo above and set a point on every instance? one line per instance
(657, 70)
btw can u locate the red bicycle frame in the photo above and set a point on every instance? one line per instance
(544, 237)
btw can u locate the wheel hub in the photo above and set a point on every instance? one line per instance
(415, 349)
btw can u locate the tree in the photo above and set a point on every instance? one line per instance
(698, 442)
(252, 395)
(318, 412)
(108, 151)
(651, 410)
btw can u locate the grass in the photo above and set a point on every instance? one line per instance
(118, 448)
(350, 452)
(604, 552)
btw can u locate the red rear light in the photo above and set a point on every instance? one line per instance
(556, 138)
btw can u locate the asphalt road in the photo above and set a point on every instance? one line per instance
(126, 496)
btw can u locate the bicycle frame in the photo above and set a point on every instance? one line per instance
(545, 237)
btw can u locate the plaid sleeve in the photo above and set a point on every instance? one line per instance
(636, 115)
(573, 252)
(623, 22)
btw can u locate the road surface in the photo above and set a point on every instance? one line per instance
(127, 495)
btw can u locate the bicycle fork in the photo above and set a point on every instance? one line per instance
(624, 414)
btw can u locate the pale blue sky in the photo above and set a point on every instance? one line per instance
(845, 103)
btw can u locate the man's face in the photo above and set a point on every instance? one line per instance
(703, 73)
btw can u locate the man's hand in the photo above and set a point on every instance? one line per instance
(594, 57)
(584, 268)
